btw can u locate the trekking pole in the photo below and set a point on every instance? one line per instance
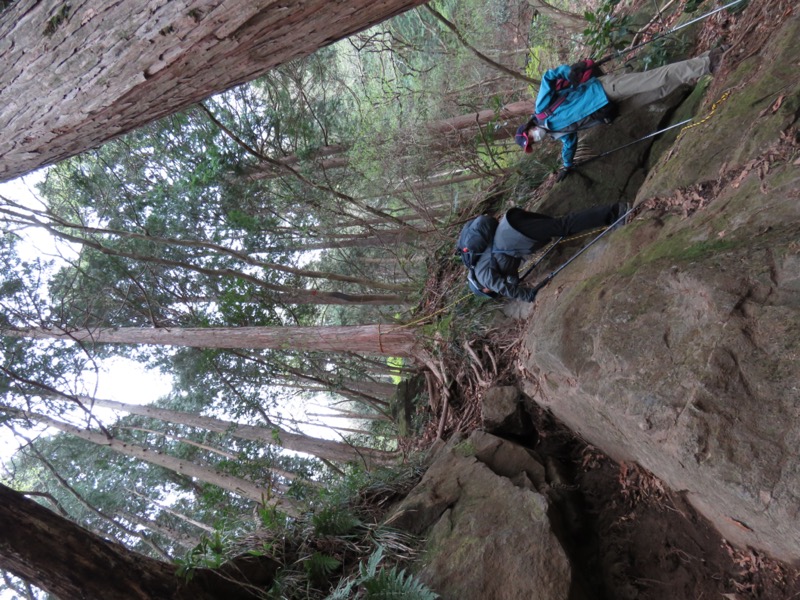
(547, 279)
(541, 258)
(614, 55)
(641, 139)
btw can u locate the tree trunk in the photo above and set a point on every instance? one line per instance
(564, 19)
(325, 449)
(319, 157)
(78, 74)
(236, 485)
(387, 340)
(72, 563)
(515, 109)
(177, 538)
(280, 293)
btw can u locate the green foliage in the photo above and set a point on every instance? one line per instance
(607, 30)
(383, 584)
(272, 519)
(658, 54)
(212, 551)
(395, 362)
(334, 521)
(320, 567)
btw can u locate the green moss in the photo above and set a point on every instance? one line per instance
(677, 249)
(465, 448)
(59, 16)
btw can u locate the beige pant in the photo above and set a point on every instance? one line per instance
(650, 86)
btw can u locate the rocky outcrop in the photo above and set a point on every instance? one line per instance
(485, 517)
(675, 342)
(503, 413)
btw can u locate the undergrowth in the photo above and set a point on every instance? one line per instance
(337, 550)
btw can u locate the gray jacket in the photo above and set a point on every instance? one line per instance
(498, 267)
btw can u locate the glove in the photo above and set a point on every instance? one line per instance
(562, 174)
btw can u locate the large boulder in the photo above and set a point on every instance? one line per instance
(503, 413)
(487, 525)
(675, 343)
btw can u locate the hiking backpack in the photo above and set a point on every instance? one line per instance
(580, 72)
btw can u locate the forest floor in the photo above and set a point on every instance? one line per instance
(631, 537)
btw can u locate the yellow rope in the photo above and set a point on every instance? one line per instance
(547, 248)
(708, 116)
(433, 314)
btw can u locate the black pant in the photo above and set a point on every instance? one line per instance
(542, 228)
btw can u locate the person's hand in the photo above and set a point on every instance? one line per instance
(562, 174)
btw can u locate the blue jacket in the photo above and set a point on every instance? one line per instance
(498, 268)
(579, 103)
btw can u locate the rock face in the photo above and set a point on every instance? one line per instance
(675, 343)
(489, 535)
(503, 413)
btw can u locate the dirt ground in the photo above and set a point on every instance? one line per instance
(634, 539)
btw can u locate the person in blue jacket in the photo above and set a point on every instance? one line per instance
(572, 98)
(519, 234)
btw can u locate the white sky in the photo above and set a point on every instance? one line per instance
(119, 378)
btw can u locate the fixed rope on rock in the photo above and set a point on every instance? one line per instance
(685, 124)
(549, 278)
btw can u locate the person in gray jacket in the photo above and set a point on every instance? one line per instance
(519, 234)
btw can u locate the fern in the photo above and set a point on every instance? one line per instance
(371, 567)
(334, 521)
(391, 584)
(386, 584)
(320, 566)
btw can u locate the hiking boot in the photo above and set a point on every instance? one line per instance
(715, 57)
(620, 208)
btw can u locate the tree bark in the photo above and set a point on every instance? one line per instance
(78, 74)
(514, 109)
(564, 19)
(320, 157)
(387, 340)
(325, 449)
(236, 485)
(72, 563)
